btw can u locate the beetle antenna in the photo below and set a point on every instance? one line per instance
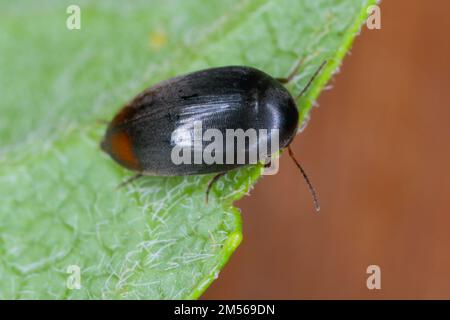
(308, 182)
(211, 183)
(312, 79)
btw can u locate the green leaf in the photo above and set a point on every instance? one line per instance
(155, 239)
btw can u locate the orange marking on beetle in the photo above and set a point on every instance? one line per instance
(122, 150)
(123, 115)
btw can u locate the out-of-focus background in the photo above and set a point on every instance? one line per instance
(377, 150)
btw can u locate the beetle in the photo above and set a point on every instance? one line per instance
(140, 137)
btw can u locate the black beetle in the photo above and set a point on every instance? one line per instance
(140, 136)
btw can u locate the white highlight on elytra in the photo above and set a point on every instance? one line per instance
(188, 147)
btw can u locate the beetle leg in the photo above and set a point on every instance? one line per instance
(268, 164)
(308, 182)
(129, 180)
(292, 74)
(211, 183)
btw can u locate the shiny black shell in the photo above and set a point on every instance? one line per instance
(233, 97)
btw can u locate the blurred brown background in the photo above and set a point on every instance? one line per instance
(377, 150)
